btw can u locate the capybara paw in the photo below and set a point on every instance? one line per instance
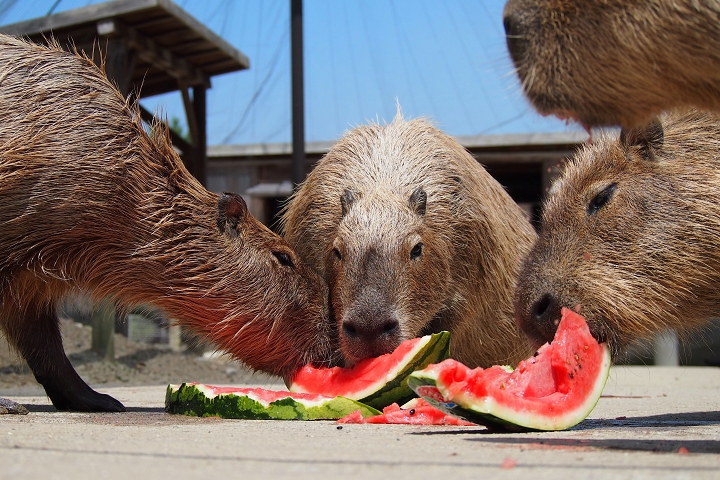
(89, 402)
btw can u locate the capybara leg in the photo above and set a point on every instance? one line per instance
(40, 343)
(8, 406)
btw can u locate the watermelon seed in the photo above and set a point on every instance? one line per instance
(339, 427)
(572, 375)
(412, 411)
(577, 357)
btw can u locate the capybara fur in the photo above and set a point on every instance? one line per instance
(413, 237)
(629, 235)
(89, 201)
(615, 62)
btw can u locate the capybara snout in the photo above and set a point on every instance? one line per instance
(629, 235)
(370, 326)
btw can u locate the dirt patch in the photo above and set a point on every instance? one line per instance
(135, 364)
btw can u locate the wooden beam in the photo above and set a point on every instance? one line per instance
(149, 51)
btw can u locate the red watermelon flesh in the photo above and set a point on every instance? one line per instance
(378, 381)
(553, 390)
(343, 381)
(415, 412)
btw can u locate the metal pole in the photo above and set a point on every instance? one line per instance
(298, 104)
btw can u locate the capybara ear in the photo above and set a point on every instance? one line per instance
(418, 201)
(231, 211)
(346, 201)
(646, 140)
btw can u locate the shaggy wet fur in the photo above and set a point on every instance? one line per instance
(605, 62)
(414, 237)
(89, 201)
(630, 235)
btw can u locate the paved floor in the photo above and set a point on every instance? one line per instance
(646, 421)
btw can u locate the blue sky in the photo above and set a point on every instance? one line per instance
(442, 59)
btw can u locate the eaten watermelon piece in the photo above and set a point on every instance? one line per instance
(258, 403)
(555, 389)
(380, 381)
(416, 412)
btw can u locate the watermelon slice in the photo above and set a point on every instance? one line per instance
(379, 381)
(553, 390)
(257, 403)
(416, 412)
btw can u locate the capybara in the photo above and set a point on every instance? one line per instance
(608, 62)
(629, 235)
(90, 201)
(413, 237)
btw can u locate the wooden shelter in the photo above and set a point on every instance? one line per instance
(149, 47)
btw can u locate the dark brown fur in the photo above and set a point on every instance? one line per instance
(89, 201)
(414, 237)
(606, 62)
(637, 258)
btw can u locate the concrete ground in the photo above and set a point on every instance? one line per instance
(651, 422)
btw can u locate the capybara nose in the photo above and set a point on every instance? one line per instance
(541, 323)
(370, 328)
(514, 35)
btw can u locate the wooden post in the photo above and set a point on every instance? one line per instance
(175, 337)
(199, 107)
(298, 92)
(103, 329)
(666, 349)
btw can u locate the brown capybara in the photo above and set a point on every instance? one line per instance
(413, 237)
(629, 235)
(88, 200)
(608, 62)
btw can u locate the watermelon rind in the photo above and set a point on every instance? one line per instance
(486, 411)
(199, 400)
(392, 386)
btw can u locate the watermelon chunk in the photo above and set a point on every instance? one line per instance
(416, 412)
(555, 389)
(380, 381)
(257, 403)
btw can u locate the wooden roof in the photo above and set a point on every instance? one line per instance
(170, 45)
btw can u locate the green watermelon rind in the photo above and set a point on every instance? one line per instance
(434, 349)
(194, 400)
(486, 411)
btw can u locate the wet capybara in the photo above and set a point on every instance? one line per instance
(607, 62)
(88, 200)
(629, 235)
(413, 237)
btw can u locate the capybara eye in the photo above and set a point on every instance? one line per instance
(601, 199)
(337, 253)
(416, 251)
(284, 259)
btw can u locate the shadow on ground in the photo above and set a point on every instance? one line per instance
(643, 445)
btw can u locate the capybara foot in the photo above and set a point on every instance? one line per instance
(82, 399)
(91, 401)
